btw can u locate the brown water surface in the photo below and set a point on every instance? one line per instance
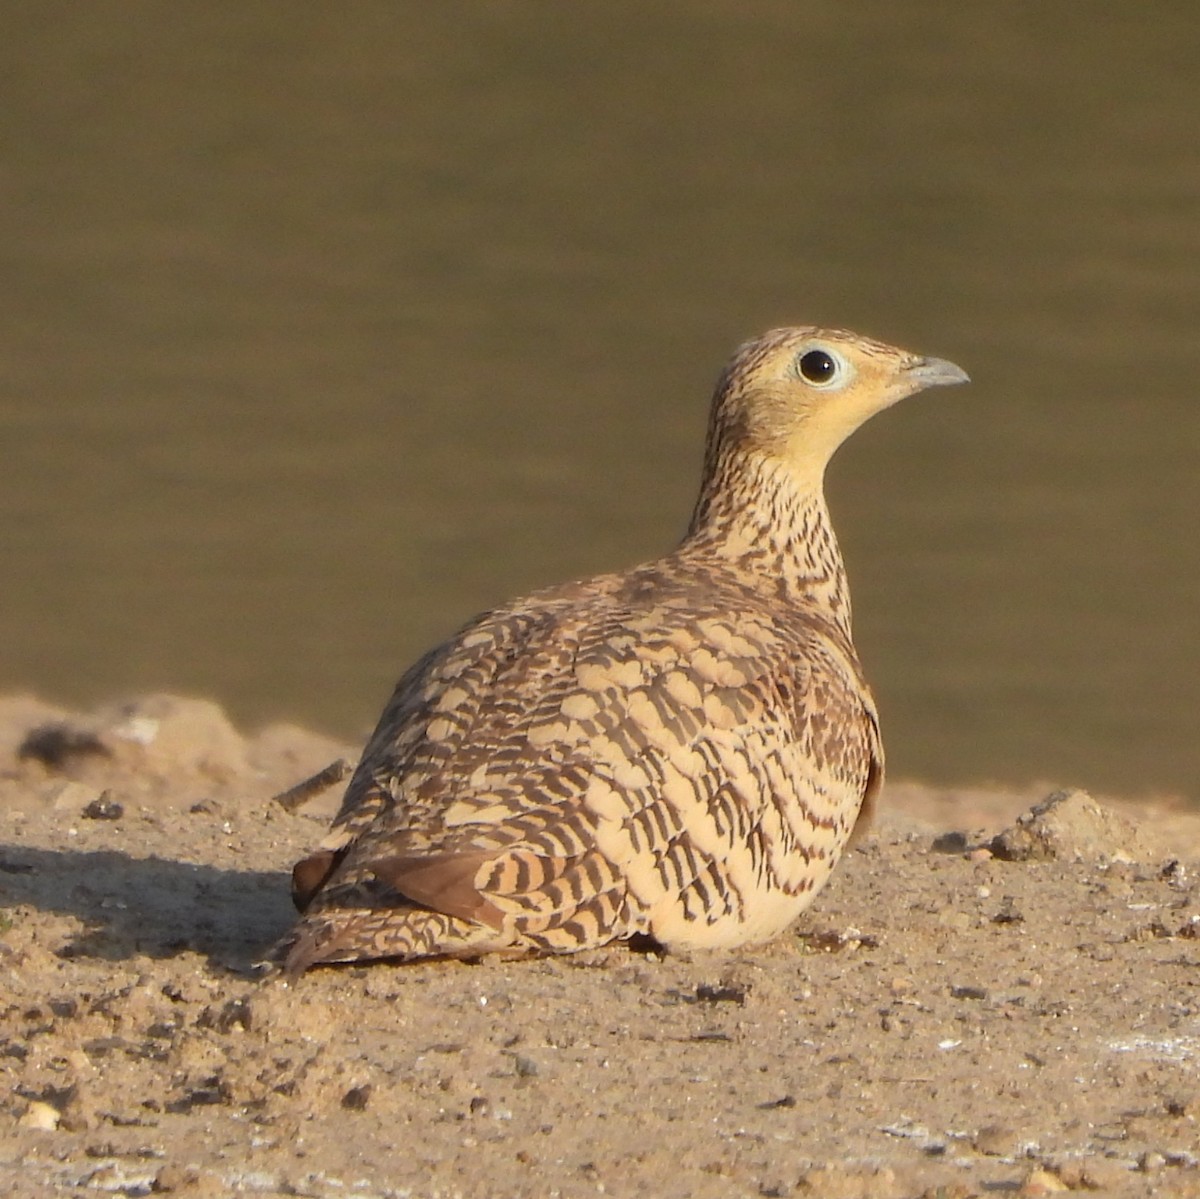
(325, 326)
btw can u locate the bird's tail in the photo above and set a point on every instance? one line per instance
(367, 934)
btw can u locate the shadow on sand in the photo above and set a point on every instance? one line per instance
(150, 906)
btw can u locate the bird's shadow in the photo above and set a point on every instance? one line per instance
(128, 906)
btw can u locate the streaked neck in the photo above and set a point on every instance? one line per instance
(772, 526)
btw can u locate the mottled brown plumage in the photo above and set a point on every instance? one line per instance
(679, 752)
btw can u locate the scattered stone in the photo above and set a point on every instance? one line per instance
(1070, 826)
(213, 1091)
(1186, 1106)
(1176, 873)
(234, 1014)
(952, 842)
(722, 993)
(1008, 913)
(357, 1098)
(42, 1116)
(977, 993)
(525, 1066)
(836, 941)
(104, 807)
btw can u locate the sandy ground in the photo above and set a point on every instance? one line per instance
(945, 1022)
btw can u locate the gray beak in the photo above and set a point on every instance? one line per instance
(934, 372)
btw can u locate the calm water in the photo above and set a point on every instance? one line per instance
(326, 326)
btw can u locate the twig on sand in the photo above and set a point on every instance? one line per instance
(297, 796)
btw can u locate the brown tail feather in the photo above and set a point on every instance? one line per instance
(354, 935)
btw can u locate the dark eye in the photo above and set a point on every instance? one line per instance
(817, 366)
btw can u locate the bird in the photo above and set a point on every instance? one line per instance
(672, 756)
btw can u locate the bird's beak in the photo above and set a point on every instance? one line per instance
(934, 372)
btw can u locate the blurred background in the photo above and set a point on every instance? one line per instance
(326, 326)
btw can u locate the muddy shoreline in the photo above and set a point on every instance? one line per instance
(943, 1022)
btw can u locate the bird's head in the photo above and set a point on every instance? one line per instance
(796, 394)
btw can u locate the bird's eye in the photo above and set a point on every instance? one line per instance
(818, 367)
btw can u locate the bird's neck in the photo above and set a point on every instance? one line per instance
(770, 523)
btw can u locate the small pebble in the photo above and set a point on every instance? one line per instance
(1186, 1104)
(964, 992)
(526, 1067)
(41, 1116)
(1007, 912)
(357, 1098)
(951, 842)
(104, 807)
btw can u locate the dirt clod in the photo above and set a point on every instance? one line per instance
(1071, 826)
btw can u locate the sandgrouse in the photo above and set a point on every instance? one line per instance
(677, 754)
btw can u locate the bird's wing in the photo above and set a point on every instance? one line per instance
(490, 664)
(571, 766)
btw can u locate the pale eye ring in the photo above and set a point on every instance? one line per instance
(818, 367)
